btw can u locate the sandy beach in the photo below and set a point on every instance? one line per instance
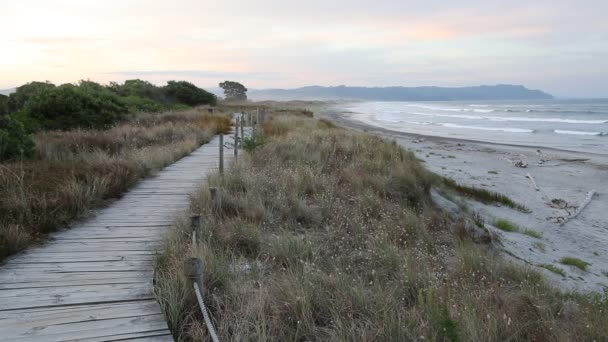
(559, 175)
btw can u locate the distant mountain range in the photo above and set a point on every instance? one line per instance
(7, 91)
(496, 92)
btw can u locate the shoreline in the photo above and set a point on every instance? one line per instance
(559, 174)
(337, 114)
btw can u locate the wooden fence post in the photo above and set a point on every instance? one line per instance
(193, 267)
(236, 137)
(221, 153)
(195, 221)
(242, 128)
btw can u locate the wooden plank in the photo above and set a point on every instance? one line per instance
(62, 283)
(30, 315)
(108, 329)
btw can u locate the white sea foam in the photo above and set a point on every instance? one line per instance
(501, 129)
(513, 118)
(561, 131)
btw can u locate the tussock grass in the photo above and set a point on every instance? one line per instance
(576, 262)
(554, 269)
(532, 233)
(511, 227)
(323, 234)
(481, 195)
(77, 170)
(506, 225)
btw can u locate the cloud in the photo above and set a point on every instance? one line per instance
(199, 74)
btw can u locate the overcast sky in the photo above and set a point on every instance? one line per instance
(559, 46)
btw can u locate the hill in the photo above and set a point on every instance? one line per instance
(484, 92)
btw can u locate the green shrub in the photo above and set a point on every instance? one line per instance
(68, 106)
(139, 88)
(251, 143)
(188, 93)
(3, 105)
(22, 94)
(14, 140)
(137, 104)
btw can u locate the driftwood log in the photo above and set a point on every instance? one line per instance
(533, 181)
(580, 208)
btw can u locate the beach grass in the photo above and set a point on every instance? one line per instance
(508, 226)
(576, 262)
(324, 234)
(481, 195)
(554, 269)
(539, 245)
(75, 171)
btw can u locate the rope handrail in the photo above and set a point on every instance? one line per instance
(208, 322)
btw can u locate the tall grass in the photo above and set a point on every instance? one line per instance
(76, 171)
(326, 234)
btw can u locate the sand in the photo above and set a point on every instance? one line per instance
(492, 166)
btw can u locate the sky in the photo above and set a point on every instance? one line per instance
(559, 46)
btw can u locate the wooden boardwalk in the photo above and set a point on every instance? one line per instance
(93, 282)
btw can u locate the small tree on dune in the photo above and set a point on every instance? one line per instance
(234, 91)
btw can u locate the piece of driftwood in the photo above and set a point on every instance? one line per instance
(521, 164)
(533, 181)
(580, 208)
(574, 159)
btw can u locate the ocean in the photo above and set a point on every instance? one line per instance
(574, 125)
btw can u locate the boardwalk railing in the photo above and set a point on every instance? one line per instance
(194, 267)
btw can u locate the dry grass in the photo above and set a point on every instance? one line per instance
(325, 234)
(77, 170)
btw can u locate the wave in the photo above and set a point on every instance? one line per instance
(506, 118)
(502, 129)
(451, 109)
(487, 108)
(601, 134)
(575, 121)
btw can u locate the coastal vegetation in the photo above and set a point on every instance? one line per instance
(576, 262)
(511, 227)
(321, 233)
(554, 269)
(67, 149)
(40, 106)
(481, 195)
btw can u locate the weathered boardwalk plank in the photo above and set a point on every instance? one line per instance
(93, 282)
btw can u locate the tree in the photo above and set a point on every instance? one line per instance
(189, 94)
(234, 91)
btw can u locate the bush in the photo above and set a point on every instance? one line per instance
(139, 88)
(3, 105)
(68, 106)
(188, 93)
(140, 104)
(22, 94)
(14, 140)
